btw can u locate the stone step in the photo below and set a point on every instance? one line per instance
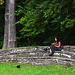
(59, 58)
(62, 52)
(40, 60)
(72, 53)
(36, 55)
(36, 48)
(41, 53)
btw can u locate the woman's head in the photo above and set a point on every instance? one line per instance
(56, 39)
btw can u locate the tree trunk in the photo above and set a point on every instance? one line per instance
(10, 30)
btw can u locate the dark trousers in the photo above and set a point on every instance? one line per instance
(53, 48)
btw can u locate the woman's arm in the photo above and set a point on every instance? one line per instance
(59, 44)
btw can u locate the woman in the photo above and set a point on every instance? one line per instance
(56, 46)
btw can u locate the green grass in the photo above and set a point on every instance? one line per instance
(10, 69)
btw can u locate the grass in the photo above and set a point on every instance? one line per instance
(11, 69)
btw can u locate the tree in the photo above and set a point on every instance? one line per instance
(10, 30)
(44, 19)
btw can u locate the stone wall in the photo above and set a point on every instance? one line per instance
(69, 48)
(37, 56)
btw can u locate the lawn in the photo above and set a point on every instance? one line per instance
(11, 69)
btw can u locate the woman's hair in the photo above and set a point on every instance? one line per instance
(57, 39)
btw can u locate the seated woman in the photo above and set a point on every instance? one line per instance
(56, 46)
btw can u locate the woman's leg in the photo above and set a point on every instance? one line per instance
(57, 49)
(52, 50)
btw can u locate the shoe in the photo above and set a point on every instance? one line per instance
(50, 54)
(45, 49)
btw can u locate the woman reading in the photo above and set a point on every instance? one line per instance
(56, 46)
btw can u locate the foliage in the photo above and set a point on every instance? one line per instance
(44, 19)
(38, 22)
(2, 8)
(1, 2)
